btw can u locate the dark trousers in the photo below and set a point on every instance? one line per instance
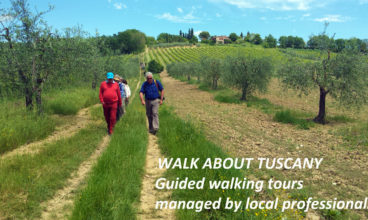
(110, 115)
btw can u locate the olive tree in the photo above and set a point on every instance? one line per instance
(247, 73)
(343, 76)
(211, 69)
(30, 49)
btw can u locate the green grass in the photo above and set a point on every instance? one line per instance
(114, 185)
(291, 117)
(18, 126)
(339, 118)
(28, 180)
(227, 95)
(355, 136)
(180, 139)
(263, 104)
(69, 102)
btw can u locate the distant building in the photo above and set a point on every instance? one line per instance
(220, 39)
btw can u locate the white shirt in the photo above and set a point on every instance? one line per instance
(127, 90)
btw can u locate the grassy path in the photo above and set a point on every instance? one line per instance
(28, 180)
(114, 184)
(149, 194)
(60, 205)
(247, 132)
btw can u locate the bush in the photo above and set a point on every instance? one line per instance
(155, 67)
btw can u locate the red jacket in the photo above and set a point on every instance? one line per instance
(110, 93)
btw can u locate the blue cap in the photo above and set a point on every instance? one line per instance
(109, 75)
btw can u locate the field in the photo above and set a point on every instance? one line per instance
(63, 165)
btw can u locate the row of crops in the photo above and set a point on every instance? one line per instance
(194, 54)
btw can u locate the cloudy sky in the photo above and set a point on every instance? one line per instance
(347, 18)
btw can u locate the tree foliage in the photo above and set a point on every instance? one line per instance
(291, 42)
(150, 40)
(35, 58)
(247, 73)
(343, 76)
(30, 51)
(233, 37)
(131, 41)
(170, 38)
(211, 69)
(204, 35)
(257, 39)
(269, 42)
(321, 42)
(155, 67)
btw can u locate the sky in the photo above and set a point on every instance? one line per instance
(303, 18)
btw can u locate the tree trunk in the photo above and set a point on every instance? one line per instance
(29, 97)
(28, 92)
(244, 95)
(94, 81)
(321, 117)
(39, 100)
(214, 84)
(188, 77)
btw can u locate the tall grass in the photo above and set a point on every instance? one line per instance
(69, 102)
(28, 180)
(18, 126)
(114, 185)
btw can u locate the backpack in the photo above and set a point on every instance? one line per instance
(159, 92)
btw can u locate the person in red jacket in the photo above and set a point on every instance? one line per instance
(110, 99)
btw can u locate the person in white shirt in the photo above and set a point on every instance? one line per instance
(127, 92)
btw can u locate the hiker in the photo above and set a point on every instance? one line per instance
(110, 98)
(128, 92)
(121, 109)
(150, 88)
(123, 94)
(143, 66)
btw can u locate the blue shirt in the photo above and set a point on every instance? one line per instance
(150, 90)
(122, 90)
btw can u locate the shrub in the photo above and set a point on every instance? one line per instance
(155, 67)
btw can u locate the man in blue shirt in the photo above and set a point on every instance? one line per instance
(150, 89)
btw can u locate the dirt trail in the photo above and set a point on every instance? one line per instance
(149, 195)
(247, 132)
(79, 122)
(59, 207)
